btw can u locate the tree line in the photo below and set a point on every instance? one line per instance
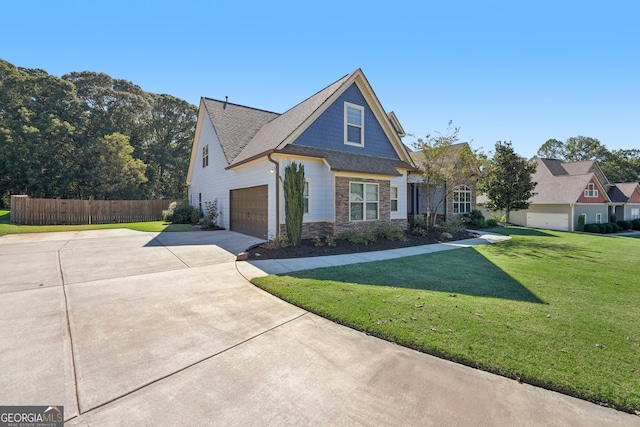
(86, 135)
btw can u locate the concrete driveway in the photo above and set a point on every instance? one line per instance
(130, 328)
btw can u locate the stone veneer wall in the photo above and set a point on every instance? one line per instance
(343, 224)
(311, 229)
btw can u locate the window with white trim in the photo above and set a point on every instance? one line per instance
(462, 200)
(205, 156)
(394, 199)
(635, 213)
(598, 218)
(363, 201)
(306, 198)
(584, 216)
(353, 124)
(591, 191)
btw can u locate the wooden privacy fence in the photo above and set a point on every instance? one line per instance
(28, 211)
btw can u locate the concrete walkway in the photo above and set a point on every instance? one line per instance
(282, 266)
(127, 328)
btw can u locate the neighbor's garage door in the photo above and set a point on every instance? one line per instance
(550, 221)
(249, 211)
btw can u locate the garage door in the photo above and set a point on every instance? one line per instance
(549, 221)
(249, 211)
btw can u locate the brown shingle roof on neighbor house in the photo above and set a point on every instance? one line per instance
(350, 162)
(559, 182)
(627, 188)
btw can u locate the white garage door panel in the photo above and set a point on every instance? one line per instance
(550, 221)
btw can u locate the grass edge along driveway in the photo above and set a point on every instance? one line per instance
(151, 226)
(553, 309)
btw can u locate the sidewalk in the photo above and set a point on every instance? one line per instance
(283, 266)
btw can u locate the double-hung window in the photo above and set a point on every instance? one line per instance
(205, 156)
(363, 201)
(462, 200)
(635, 213)
(353, 124)
(394, 199)
(591, 191)
(306, 198)
(598, 218)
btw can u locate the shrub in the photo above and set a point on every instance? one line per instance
(361, 237)
(608, 227)
(616, 227)
(184, 213)
(476, 214)
(293, 189)
(581, 222)
(167, 215)
(635, 224)
(393, 233)
(591, 228)
(419, 222)
(419, 231)
(480, 222)
(331, 242)
(453, 226)
(602, 227)
(210, 219)
(625, 225)
(317, 241)
(492, 222)
(196, 215)
(613, 218)
(280, 241)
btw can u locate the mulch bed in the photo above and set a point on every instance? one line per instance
(308, 249)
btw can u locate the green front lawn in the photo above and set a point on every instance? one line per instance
(157, 226)
(554, 309)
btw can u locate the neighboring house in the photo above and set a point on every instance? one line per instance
(565, 191)
(355, 163)
(631, 198)
(459, 199)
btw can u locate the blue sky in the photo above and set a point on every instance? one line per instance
(520, 71)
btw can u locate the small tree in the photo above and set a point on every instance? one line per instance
(507, 180)
(293, 186)
(445, 165)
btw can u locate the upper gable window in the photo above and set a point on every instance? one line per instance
(591, 191)
(205, 156)
(353, 124)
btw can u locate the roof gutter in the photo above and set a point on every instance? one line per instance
(277, 193)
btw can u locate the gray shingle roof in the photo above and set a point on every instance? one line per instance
(350, 162)
(235, 125)
(271, 134)
(616, 195)
(554, 166)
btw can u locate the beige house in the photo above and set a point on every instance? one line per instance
(566, 191)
